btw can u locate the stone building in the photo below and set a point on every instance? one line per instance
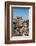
(20, 26)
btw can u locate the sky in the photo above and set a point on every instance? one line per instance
(21, 12)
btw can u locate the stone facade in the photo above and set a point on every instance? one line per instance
(20, 26)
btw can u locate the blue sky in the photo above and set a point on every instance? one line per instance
(21, 12)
